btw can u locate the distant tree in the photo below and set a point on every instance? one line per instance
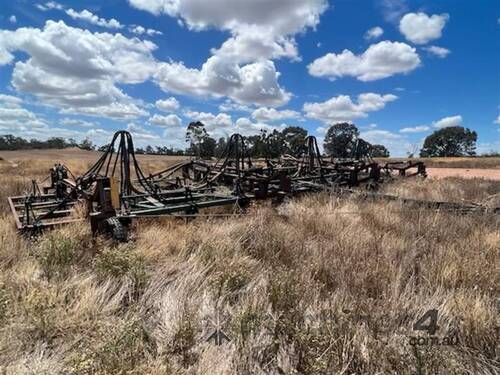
(362, 149)
(103, 148)
(294, 138)
(11, 142)
(207, 147)
(179, 152)
(37, 144)
(72, 143)
(195, 133)
(56, 142)
(450, 141)
(149, 149)
(220, 147)
(379, 151)
(258, 144)
(340, 140)
(86, 144)
(275, 144)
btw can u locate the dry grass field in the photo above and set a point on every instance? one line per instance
(76, 153)
(317, 285)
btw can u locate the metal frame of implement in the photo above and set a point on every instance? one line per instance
(116, 190)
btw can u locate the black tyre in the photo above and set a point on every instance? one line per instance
(117, 230)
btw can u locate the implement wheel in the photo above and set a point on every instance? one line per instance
(117, 230)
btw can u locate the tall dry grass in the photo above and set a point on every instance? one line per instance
(317, 285)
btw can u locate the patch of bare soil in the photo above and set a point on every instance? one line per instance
(490, 174)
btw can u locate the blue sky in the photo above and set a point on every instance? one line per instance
(397, 69)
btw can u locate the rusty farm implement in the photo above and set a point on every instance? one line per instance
(115, 190)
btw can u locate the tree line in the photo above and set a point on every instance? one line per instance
(342, 140)
(11, 142)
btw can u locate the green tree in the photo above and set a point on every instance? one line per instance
(207, 147)
(294, 138)
(103, 148)
(450, 141)
(220, 147)
(275, 145)
(86, 144)
(379, 151)
(341, 139)
(195, 133)
(258, 144)
(56, 142)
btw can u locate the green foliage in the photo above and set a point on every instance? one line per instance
(123, 350)
(294, 138)
(340, 140)
(230, 280)
(200, 143)
(56, 253)
(379, 151)
(11, 142)
(259, 145)
(86, 144)
(290, 140)
(122, 262)
(40, 308)
(207, 147)
(220, 147)
(164, 150)
(449, 142)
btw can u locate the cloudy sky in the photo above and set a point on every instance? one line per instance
(397, 69)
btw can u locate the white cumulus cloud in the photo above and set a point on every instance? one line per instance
(271, 114)
(17, 120)
(10, 101)
(140, 30)
(49, 5)
(222, 124)
(374, 33)
(255, 83)
(342, 108)
(76, 70)
(78, 122)
(167, 105)
(397, 144)
(90, 17)
(420, 28)
(380, 60)
(448, 121)
(438, 51)
(260, 29)
(241, 68)
(167, 121)
(415, 129)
